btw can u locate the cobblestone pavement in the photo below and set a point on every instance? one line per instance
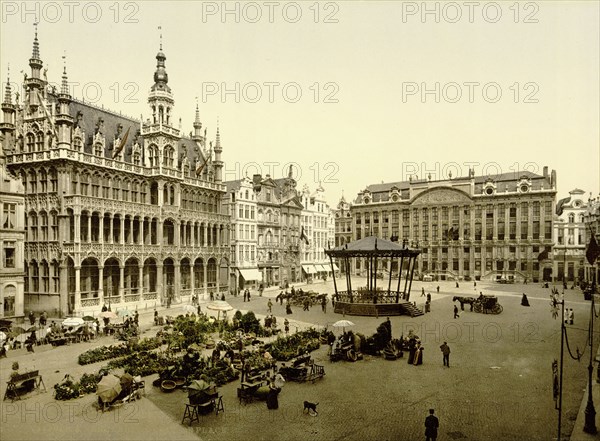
(497, 388)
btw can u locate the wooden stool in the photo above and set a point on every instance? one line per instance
(218, 402)
(191, 413)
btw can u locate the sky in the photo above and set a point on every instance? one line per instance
(349, 93)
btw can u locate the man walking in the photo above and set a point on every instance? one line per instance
(431, 426)
(270, 305)
(446, 352)
(456, 311)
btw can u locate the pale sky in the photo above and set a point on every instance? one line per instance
(371, 60)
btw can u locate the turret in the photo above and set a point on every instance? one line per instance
(197, 136)
(160, 98)
(35, 85)
(7, 126)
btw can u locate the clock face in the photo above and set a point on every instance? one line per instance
(524, 188)
(489, 190)
(577, 204)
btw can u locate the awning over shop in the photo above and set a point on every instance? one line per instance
(251, 274)
(309, 269)
(335, 267)
(322, 268)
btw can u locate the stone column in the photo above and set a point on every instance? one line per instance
(141, 280)
(177, 287)
(141, 240)
(122, 232)
(77, 227)
(131, 229)
(122, 282)
(159, 283)
(101, 283)
(111, 220)
(205, 282)
(89, 228)
(64, 288)
(77, 305)
(192, 278)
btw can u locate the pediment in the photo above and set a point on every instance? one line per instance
(441, 196)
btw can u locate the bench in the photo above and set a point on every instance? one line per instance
(24, 382)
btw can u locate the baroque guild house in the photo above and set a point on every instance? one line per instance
(118, 211)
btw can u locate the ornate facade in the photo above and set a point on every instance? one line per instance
(472, 227)
(242, 207)
(319, 229)
(570, 237)
(118, 211)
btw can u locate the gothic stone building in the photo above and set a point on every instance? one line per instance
(474, 227)
(118, 211)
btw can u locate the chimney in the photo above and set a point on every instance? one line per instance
(553, 179)
(545, 171)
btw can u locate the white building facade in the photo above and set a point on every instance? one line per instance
(242, 208)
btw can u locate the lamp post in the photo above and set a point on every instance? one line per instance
(591, 255)
(590, 411)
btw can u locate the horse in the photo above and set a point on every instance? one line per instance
(463, 300)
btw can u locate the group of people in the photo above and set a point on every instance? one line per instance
(42, 320)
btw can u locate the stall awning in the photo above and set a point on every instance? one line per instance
(335, 267)
(251, 274)
(322, 268)
(309, 269)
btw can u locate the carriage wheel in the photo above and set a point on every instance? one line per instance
(497, 309)
(351, 355)
(477, 307)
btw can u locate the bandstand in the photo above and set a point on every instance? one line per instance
(377, 298)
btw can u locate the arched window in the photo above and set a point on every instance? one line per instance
(168, 156)
(98, 149)
(571, 218)
(39, 142)
(136, 158)
(30, 142)
(153, 155)
(581, 218)
(77, 144)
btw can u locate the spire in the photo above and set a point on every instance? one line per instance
(218, 139)
(36, 44)
(64, 88)
(8, 90)
(160, 75)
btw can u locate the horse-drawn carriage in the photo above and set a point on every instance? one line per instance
(484, 303)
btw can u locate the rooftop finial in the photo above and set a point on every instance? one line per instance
(36, 44)
(64, 88)
(160, 29)
(8, 89)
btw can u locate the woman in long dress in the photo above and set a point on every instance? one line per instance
(272, 401)
(418, 356)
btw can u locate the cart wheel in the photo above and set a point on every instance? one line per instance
(498, 309)
(351, 355)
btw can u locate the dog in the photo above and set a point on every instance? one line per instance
(311, 408)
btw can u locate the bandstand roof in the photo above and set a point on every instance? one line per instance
(373, 246)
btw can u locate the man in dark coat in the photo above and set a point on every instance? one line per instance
(431, 426)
